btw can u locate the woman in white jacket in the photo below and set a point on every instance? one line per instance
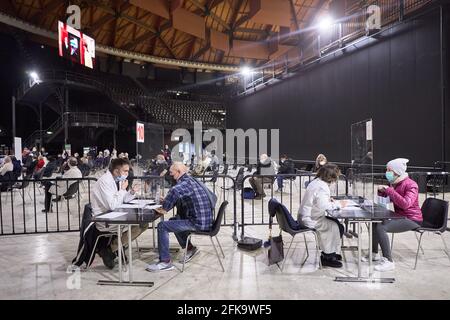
(312, 213)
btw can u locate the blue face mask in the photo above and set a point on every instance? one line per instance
(121, 178)
(390, 176)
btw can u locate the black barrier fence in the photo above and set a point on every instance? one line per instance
(255, 212)
(22, 202)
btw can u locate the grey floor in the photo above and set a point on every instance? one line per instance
(35, 266)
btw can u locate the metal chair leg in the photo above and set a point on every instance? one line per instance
(220, 247)
(306, 246)
(392, 241)
(423, 252)
(318, 249)
(137, 248)
(217, 254)
(418, 248)
(287, 254)
(185, 252)
(445, 245)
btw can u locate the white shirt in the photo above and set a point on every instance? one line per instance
(316, 201)
(6, 167)
(105, 196)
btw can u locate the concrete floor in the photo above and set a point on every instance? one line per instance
(35, 266)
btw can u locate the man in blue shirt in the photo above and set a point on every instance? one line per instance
(197, 215)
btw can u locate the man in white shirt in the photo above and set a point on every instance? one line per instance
(107, 194)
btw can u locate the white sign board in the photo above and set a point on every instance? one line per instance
(139, 132)
(18, 148)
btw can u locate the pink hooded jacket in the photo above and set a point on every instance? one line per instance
(405, 197)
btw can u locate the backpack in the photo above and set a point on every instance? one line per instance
(248, 193)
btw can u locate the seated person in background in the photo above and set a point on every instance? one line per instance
(265, 166)
(200, 168)
(313, 214)
(321, 160)
(17, 167)
(287, 166)
(214, 163)
(197, 215)
(109, 192)
(84, 167)
(404, 194)
(61, 187)
(39, 166)
(7, 166)
(51, 167)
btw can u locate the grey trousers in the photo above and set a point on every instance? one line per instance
(381, 230)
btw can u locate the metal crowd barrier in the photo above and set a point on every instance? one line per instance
(21, 213)
(259, 214)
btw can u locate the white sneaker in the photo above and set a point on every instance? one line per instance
(160, 266)
(189, 255)
(375, 257)
(385, 265)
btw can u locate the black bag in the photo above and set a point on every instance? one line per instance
(275, 253)
(249, 244)
(276, 250)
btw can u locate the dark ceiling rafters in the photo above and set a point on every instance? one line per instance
(120, 24)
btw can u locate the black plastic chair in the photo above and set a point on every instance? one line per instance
(211, 234)
(435, 215)
(70, 193)
(284, 226)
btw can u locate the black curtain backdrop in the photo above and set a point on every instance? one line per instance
(396, 81)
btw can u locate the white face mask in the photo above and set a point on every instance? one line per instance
(322, 163)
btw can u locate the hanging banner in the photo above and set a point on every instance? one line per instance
(139, 132)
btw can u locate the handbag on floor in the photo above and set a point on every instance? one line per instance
(275, 253)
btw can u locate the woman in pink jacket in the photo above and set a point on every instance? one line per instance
(404, 194)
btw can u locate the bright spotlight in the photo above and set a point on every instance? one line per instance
(325, 23)
(246, 71)
(49, 132)
(34, 75)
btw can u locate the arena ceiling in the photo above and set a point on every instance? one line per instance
(224, 32)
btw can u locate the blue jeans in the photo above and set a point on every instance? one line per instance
(181, 228)
(280, 183)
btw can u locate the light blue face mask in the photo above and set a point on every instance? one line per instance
(121, 178)
(390, 176)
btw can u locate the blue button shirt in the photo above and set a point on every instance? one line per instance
(194, 199)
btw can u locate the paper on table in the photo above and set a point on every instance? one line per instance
(352, 209)
(142, 202)
(156, 206)
(130, 206)
(112, 215)
(351, 203)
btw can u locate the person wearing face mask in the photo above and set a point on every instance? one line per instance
(61, 186)
(403, 192)
(321, 160)
(313, 214)
(287, 166)
(108, 192)
(265, 167)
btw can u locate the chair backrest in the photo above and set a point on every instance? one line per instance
(283, 222)
(216, 225)
(239, 178)
(435, 214)
(73, 188)
(225, 169)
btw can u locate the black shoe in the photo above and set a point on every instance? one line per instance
(338, 257)
(330, 261)
(107, 257)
